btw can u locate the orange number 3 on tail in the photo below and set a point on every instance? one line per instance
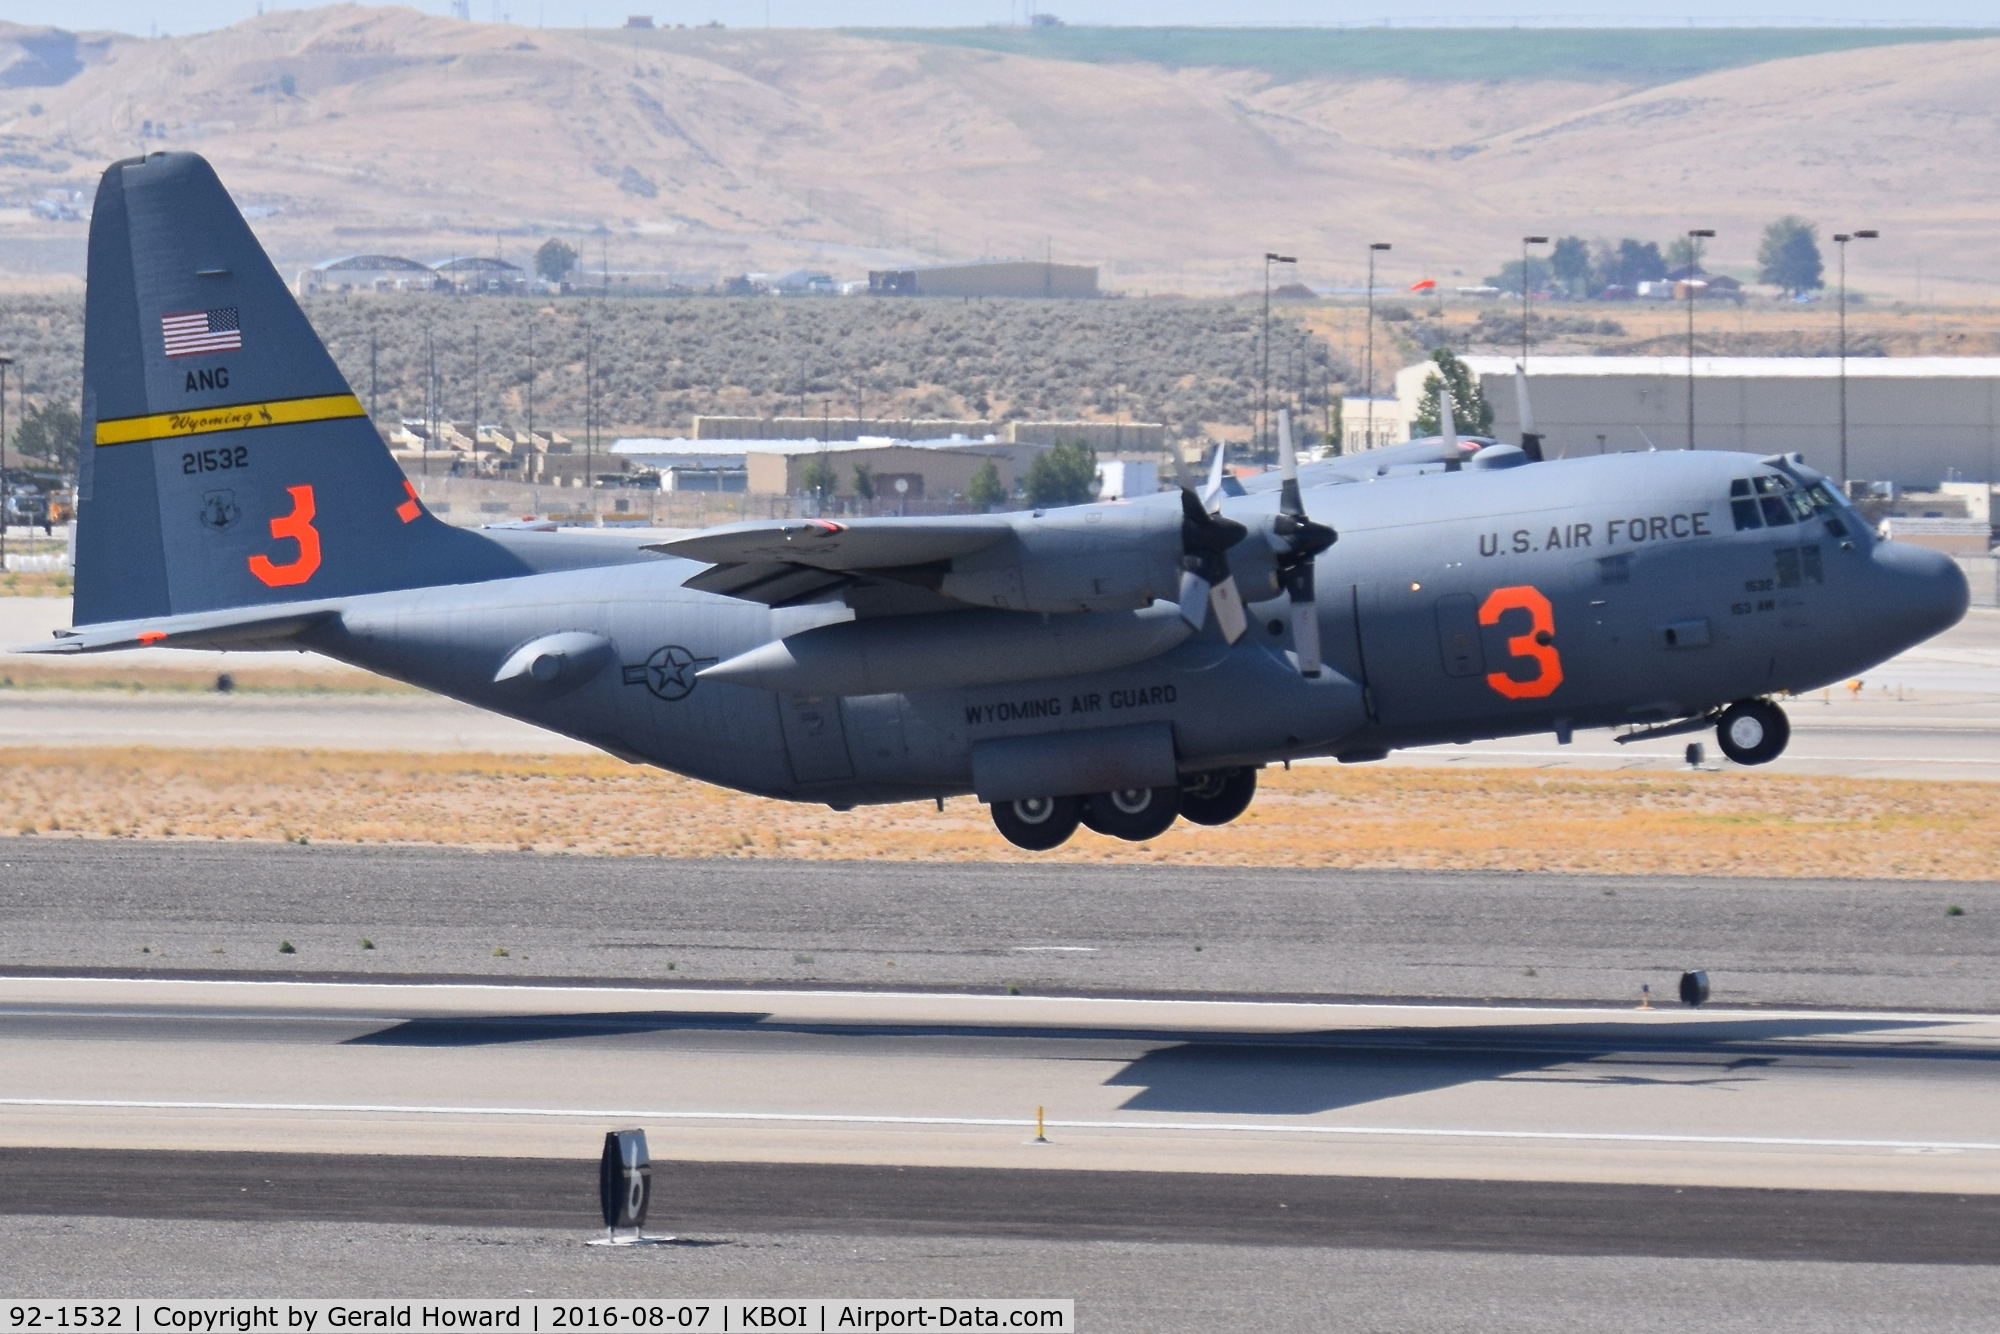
(1538, 643)
(298, 526)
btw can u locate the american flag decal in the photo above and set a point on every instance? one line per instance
(193, 332)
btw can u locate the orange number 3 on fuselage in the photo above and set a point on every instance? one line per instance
(1538, 643)
(299, 527)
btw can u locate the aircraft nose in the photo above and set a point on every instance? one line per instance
(1925, 592)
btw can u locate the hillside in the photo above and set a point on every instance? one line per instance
(710, 152)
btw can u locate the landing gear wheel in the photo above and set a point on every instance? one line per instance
(1037, 823)
(1753, 731)
(1218, 796)
(1134, 814)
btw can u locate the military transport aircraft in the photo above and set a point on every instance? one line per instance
(1119, 665)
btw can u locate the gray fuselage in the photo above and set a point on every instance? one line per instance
(1594, 592)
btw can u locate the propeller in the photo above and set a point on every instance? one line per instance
(1298, 541)
(1205, 541)
(1531, 442)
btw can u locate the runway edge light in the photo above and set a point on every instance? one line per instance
(625, 1188)
(1694, 988)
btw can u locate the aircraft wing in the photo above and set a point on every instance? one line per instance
(793, 560)
(236, 627)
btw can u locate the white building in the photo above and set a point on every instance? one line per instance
(1916, 421)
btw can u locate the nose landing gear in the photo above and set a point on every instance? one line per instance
(1753, 731)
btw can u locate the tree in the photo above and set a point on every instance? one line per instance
(864, 481)
(555, 260)
(1509, 277)
(1063, 475)
(1631, 264)
(819, 478)
(1789, 258)
(51, 432)
(1470, 412)
(1571, 262)
(985, 490)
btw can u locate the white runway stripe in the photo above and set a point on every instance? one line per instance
(810, 1118)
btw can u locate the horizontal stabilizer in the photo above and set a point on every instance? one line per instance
(239, 628)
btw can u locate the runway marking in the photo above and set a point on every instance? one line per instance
(999, 1123)
(1620, 1013)
(1055, 949)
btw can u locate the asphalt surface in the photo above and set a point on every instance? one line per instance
(714, 1200)
(1119, 1287)
(199, 909)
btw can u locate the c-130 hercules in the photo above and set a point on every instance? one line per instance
(1063, 666)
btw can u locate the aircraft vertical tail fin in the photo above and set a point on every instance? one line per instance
(225, 461)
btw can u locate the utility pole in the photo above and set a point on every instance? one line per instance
(1368, 442)
(1842, 238)
(5, 362)
(1264, 381)
(1695, 238)
(1526, 241)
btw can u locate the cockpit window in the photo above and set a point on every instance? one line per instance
(1743, 505)
(1773, 500)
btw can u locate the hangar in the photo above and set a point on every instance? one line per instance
(1914, 421)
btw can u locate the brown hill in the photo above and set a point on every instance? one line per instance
(715, 152)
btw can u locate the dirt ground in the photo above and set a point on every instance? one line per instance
(1725, 823)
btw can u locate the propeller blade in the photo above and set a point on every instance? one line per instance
(1298, 581)
(1230, 618)
(1194, 599)
(1531, 442)
(1205, 579)
(1288, 468)
(1298, 540)
(1213, 491)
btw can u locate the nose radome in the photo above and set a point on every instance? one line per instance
(1925, 592)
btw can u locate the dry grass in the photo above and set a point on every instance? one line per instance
(72, 674)
(1495, 819)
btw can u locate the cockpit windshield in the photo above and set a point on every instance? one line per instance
(1773, 500)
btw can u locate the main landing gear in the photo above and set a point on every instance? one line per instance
(1753, 731)
(1133, 814)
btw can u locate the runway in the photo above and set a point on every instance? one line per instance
(187, 909)
(842, 1098)
(1804, 1100)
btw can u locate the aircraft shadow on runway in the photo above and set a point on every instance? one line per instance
(1326, 1072)
(1296, 1074)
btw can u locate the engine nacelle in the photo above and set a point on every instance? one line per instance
(1083, 558)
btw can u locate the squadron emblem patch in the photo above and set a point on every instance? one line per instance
(219, 511)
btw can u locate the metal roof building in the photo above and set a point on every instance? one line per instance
(1916, 421)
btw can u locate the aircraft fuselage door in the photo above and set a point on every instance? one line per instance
(814, 738)
(1459, 639)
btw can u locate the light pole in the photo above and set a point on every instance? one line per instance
(1526, 241)
(1264, 381)
(1695, 237)
(5, 362)
(1368, 376)
(1842, 238)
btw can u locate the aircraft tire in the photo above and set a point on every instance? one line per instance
(1218, 796)
(1753, 731)
(1037, 823)
(1133, 814)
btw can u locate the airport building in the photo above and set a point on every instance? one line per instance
(1105, 437)
(1019, 278)
(1913, 421)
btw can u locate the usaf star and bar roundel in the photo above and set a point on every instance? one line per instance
(194, 332)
